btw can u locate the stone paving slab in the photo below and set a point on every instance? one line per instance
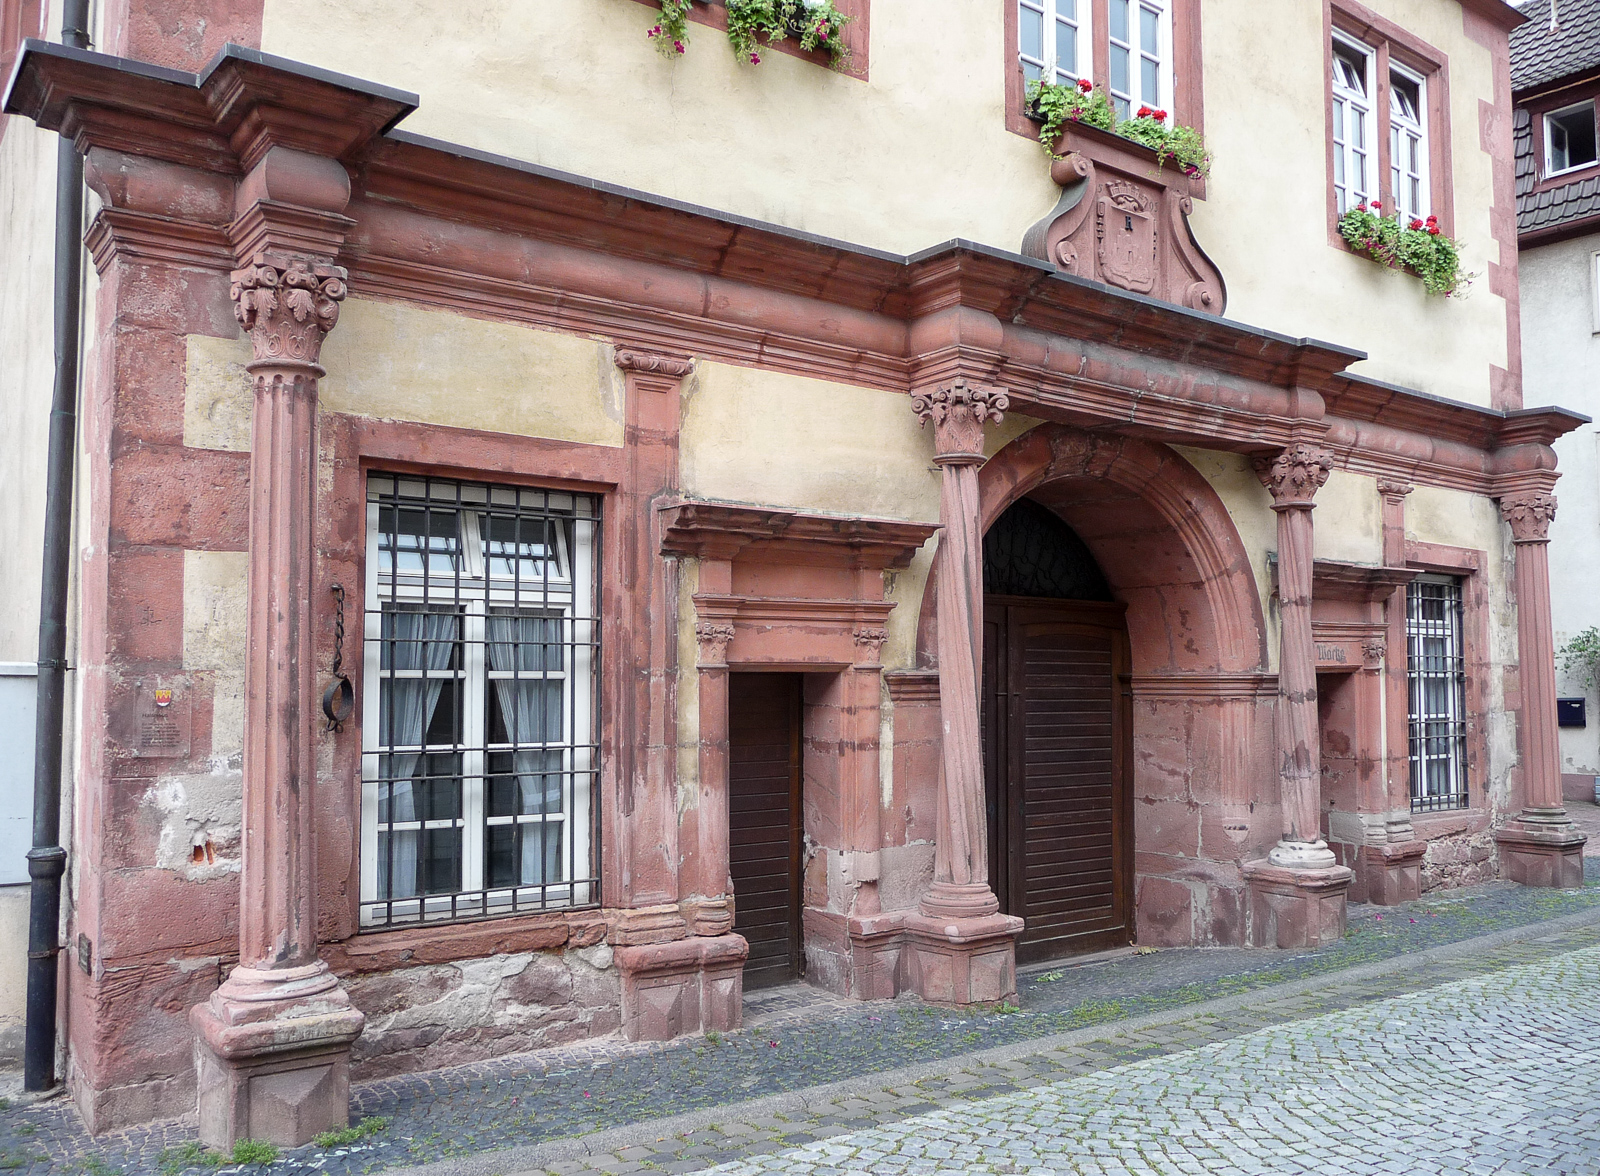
(548, 1106)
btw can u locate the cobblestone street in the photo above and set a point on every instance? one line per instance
(1117, 1062)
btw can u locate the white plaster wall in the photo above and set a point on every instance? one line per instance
(919, 153)
(13, 969)
(1561, 365)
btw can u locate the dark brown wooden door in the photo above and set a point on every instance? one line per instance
(1056, 762)
(764, 836)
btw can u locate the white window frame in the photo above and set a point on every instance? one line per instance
(1594, 106)
(1134, 96)
(473, 591)
(1346, 104)
(1050, 14)
(1594, 289)
(1402, 133)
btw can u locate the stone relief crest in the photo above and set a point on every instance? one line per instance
(1125, 236)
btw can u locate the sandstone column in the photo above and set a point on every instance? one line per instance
(1299, 892)
(707, 910)
(1541, 847)
(1397, 729)
(966, 950)
(273, 1041)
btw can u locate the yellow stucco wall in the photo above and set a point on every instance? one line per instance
(919, 154)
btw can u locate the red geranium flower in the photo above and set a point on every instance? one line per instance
(1415, 224)
(1085, 85)
(1362, 207)
(1434, 229)
(1376, 206)
(1144, 112)
(1161, 116)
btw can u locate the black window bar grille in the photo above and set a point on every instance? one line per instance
(480, 765)
(1436, 681)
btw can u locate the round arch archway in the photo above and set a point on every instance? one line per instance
(1202, 714)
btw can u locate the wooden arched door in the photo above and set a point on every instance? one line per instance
(1057, 718)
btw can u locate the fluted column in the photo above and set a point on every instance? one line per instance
(1397, 761)
(960, 865)
(707, 908)
(1294, 476)
(272, 1054)
(1541, 847)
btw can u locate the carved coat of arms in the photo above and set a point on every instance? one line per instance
(1125, 236)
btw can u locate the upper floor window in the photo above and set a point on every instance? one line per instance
(1569, 138)
(478, 753)
(1408, 144)
(1353, 166)
(1058, 42)
(1388, 120)
(1053, 40)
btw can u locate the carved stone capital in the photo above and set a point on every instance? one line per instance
(287, 305)
(713, 637)
(869, 645)
(958, 412)
(1295, 475)
(653, 363)
(1529, 514)
(1390, 488)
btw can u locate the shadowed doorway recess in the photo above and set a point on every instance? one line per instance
(1056, 719)
(764, 824)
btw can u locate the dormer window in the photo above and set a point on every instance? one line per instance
(1569, 138)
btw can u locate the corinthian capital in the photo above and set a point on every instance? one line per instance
(713, 637)
(287, 305)
(1295, 475)
(958, 412)
(1529, 514)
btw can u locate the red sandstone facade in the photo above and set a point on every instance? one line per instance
(1261, 773)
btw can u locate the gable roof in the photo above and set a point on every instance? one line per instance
(1540, 54)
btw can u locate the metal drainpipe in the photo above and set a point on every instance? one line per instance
(47, 860)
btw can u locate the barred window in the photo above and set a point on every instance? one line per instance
(1436, 677)
(479, 762)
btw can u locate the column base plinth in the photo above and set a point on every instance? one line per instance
(1302, 855)
(707, 916)
(962, 961)
(1296, 908)
(683, 986)
(1388, 875)
(960, 900)
(1542, 847)
(272, 1056)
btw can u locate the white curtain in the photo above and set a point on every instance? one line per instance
(532, 711)
(414, 641)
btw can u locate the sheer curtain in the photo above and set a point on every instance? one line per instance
(532, 711)
(413, 641)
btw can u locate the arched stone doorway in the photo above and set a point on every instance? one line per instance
(1203, 781)
(1056, 728)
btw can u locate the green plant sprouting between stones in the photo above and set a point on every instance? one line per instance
(368, 1127)
(1419, 247)
(1058, 105)
(757, 24)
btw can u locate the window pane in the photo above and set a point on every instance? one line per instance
(1572, 137)
(1030, 32)
(1149, 30)
(1149, 82)
(1119, 19)
(1066, 48)
(1119, 70)
(1067, 9)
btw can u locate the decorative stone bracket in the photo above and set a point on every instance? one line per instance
(1123, 219)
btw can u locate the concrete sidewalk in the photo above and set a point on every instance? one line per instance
(778, 1082)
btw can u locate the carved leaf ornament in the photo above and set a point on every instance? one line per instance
(1295, 475)
(287, 305)
(958, 412)
(1529, 515)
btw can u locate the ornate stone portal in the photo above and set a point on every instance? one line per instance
(1123, 219)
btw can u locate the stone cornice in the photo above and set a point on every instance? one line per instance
(725, 530)
(446, 226)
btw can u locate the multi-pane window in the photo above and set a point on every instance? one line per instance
(1352, 125)
(1408, 144)
(1569, 138)
(1053, 40)
(1139, 61)
(479, 761)
(1436, 681)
